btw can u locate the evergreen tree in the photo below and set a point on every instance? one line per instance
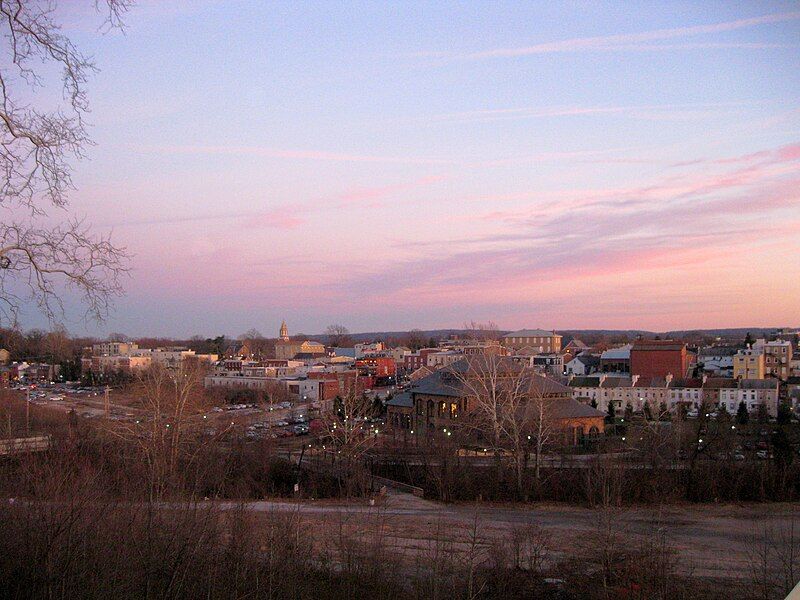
(763, 415)
(594, 403)
(611, 413)
(648, 413)
(664, 411)
(782, 449)
(748, 340)
(742, 416)
(784, 414)
(722, 413)
(628, 412)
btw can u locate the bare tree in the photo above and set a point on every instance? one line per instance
(171, 398)
(256, 342)
(482, 331)
(338, 335)
(510, 407)
(39, 254)
(57, 345)
(351, 436)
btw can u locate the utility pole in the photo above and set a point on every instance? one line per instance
(107, 404)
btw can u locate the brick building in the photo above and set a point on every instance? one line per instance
(441, 402)
(659, 358)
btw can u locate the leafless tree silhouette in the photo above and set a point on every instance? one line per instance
(42, 248)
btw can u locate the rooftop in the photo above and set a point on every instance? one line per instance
(650, 345)
(621, 353)
(531, 333)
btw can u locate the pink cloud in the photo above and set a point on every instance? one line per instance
(285, 217)
(379, 192)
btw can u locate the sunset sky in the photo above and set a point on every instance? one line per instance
(397, 165)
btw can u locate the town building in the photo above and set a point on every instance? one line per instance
(573, 349)
(443, 358)
(749, 364)
(288, 349)
(583, 364)
(616, 360)
(777, 357)
(717, 361)
(113, 348)
(367, 349)
(382, 368)
(415, 360)
(753, 392)
(442, 401)
(673, 393)
(551, 363)
(538, 340)
(659, 358)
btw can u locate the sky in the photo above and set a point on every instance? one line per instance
(396, 165)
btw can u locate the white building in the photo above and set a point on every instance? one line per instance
(368, 349)
(437, 360)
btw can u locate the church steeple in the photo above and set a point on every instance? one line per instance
(284, 333)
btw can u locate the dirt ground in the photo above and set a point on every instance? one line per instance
(715, 541)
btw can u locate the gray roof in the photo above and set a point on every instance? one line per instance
(589, 381)
(718, 351)
(570, 408)
(758, 384)
(576, 343)
(588, 359)
(690, 382)
(449, 381)
(650, 382)
(614, 382)
(403, 399)
(530, 333)
(716, 383)
(621, 353)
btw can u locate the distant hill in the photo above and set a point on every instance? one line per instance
(733, 334)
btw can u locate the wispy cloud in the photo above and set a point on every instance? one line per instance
(371, 195)
(633, 41)
(278, 153)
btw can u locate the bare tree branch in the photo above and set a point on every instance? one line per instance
(36, 150)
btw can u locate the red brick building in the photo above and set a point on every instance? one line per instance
(377, 366)
(340, 383)
(659, 358)
(415, 360)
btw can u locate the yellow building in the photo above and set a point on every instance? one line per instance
(287, 349)
(748, 364)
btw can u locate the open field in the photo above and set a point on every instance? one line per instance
(711, 541)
